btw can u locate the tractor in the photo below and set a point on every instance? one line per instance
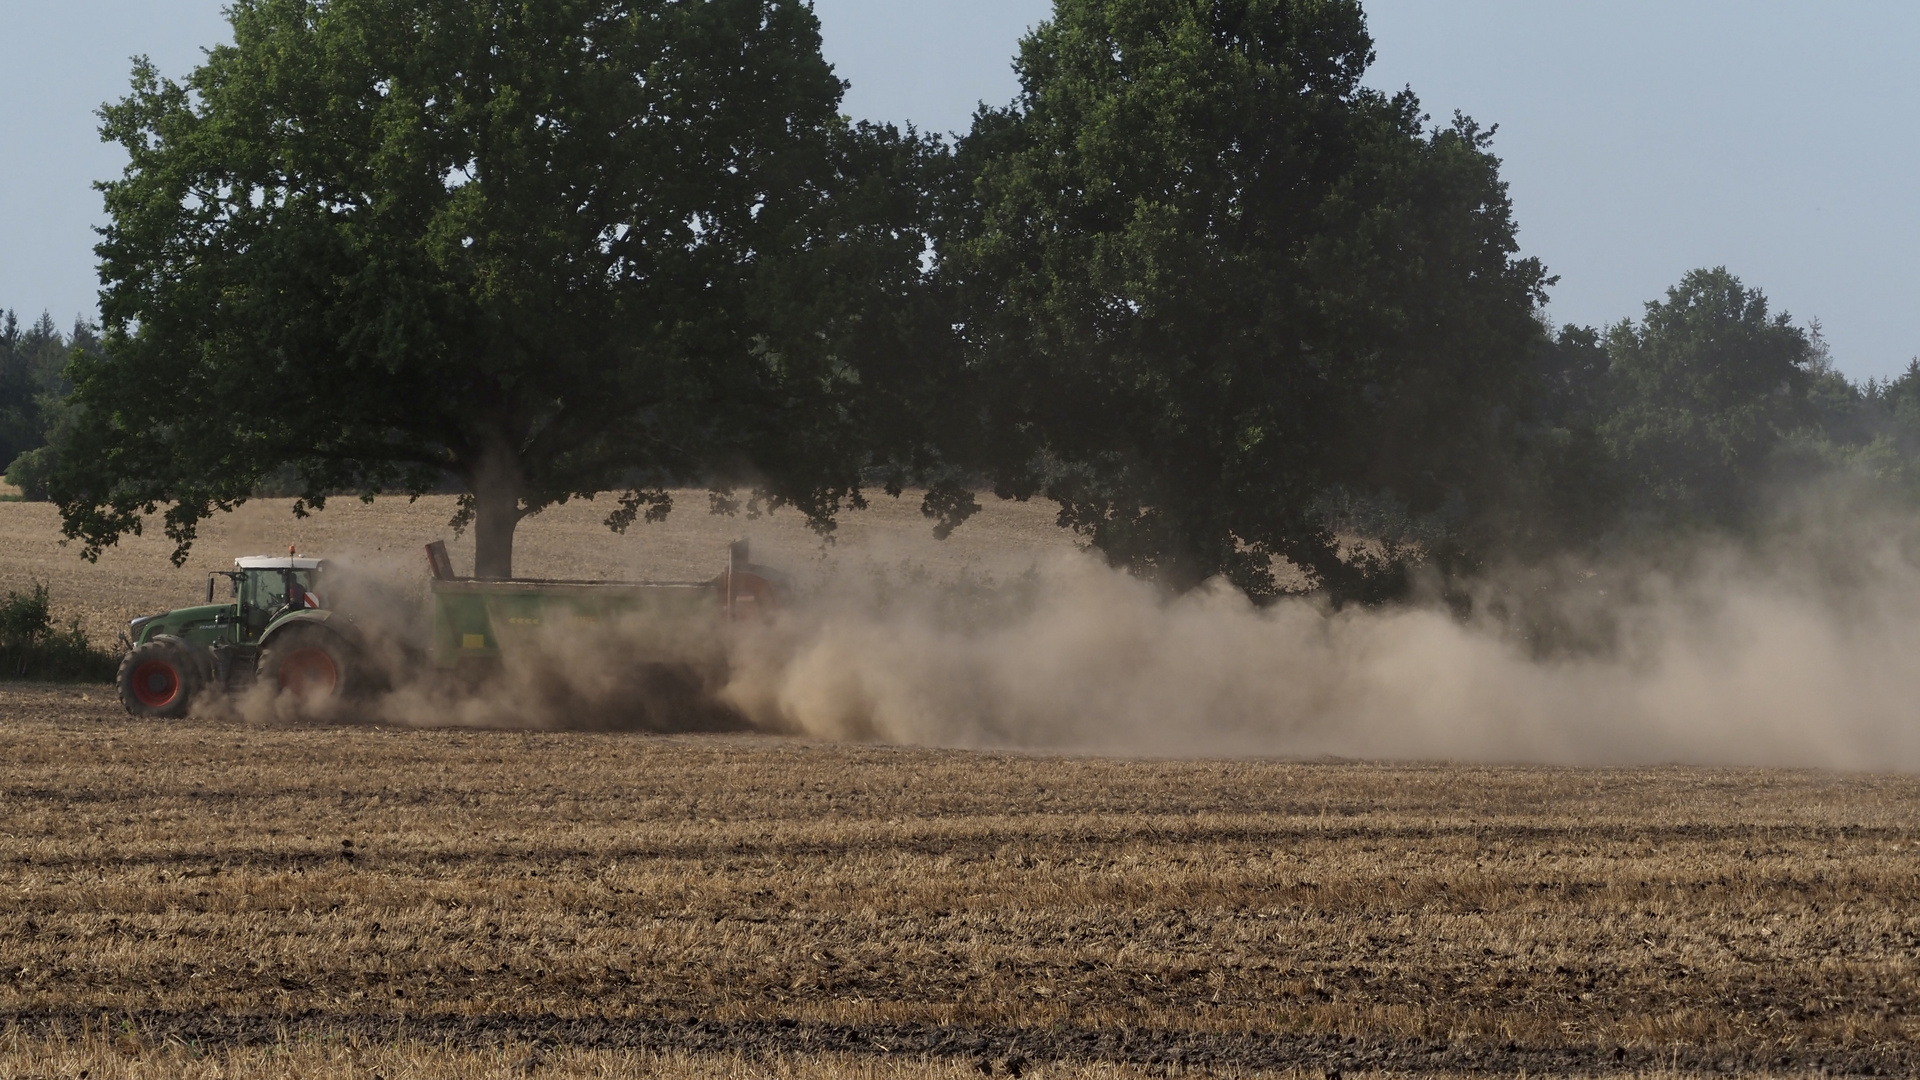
(273, 627)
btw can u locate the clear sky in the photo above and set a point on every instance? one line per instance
(1642, 139)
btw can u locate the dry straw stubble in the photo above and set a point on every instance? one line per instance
(215, 885)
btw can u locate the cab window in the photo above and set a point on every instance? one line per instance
(267, 589)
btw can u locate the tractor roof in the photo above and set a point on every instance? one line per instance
(275, 562)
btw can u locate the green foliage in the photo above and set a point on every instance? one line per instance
(1197, 285)
(1709, 413)
(34, 414)
(29, 473)
(550, 249)
(1701, 392)
(1562, 487)
(31, 647)
(25, 617)
(1206, 279)
(30, 363)
(1866, 437)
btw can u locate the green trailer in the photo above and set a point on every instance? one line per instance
(477, 621)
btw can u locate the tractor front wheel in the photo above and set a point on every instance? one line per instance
(157, 680)
(310, 664)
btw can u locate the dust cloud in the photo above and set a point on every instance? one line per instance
(1795, 650)
(570, 674)
(580, 677)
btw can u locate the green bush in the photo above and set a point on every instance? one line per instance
(29, 473)
(25, 618)
(32, 647)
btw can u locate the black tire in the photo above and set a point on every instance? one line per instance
(312, 664)
(158, 680)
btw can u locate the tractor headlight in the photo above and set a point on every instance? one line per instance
(139, 624)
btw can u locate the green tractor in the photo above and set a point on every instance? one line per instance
(273, 628)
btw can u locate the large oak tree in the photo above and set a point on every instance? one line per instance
(1209, 283)
(545, 248)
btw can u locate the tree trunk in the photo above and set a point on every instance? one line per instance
(496, 510)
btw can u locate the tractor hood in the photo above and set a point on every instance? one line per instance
(173, 622)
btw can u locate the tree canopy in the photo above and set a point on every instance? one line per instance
(29, 361)
(1703, 388)
(34, 411)
(1223, 304)
(548, 249)
(1207, 281)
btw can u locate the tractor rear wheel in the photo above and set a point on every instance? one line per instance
(157, 680)
(311, 664)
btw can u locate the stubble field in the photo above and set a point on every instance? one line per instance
(215, 898)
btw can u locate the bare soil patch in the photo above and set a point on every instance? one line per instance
(751, 899)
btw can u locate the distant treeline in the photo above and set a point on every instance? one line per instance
(1704, 413)
(1197, 284)
(34, 411)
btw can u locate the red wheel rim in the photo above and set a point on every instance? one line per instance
(156, 683)
(309, 672)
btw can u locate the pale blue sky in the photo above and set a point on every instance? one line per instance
(1641, 139)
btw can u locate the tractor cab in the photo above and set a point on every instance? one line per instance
(264, 587)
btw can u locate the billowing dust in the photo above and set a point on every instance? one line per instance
(1798, 649)
(1736, 662)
